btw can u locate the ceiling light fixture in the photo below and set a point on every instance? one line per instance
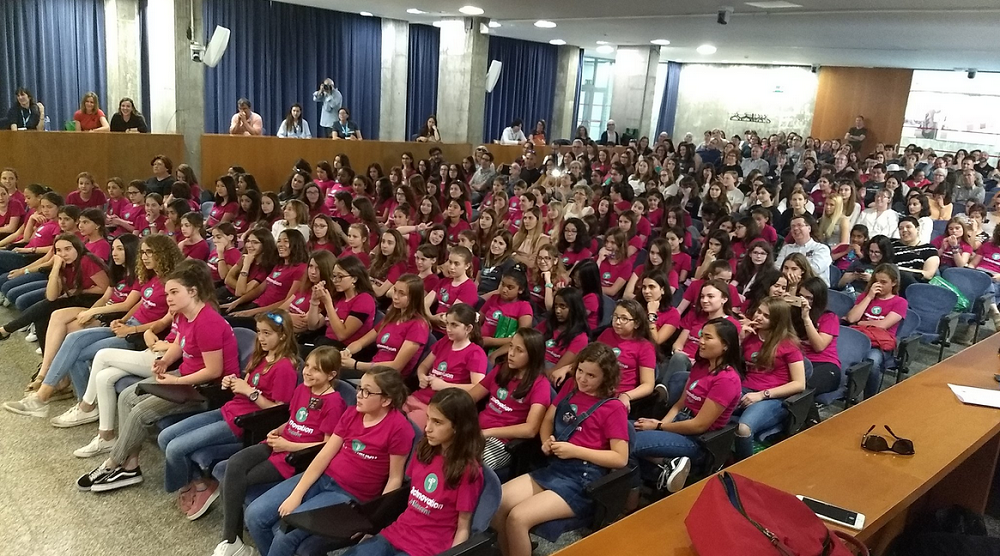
(365, 14)
(557, 42)
(438, 24)
(660, 42)
(544, 24)
(706, 49)
(605, 49)
(773, 4)
(415, 11)
(494, 24)
(603, 42)
(471, 10)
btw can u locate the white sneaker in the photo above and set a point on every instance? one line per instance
(97, 446)
(6, 302)
(29, 406)
(234, 549)
(674, 474)
(38, 350)
(75, 416)
(30, 335)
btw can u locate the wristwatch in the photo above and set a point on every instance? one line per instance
(767, 394)
(659, 426)
(254, 395)
(651, 317)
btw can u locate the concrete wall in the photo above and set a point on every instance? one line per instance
(461, 106)
(124, 63)
(633, 91)
(395, 58)
(563, 124)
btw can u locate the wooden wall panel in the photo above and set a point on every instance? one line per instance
(879, 94)
(54, 158)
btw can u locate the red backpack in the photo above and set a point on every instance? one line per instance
(736, 515)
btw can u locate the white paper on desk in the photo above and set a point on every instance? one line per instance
(976, 396)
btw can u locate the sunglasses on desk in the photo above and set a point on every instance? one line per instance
(878, 443)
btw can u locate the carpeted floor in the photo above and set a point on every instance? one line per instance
(44, 514)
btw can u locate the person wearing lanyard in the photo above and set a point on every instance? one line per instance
(344, 128)
(26, 113)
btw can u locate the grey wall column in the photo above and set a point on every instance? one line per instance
(563, 118)
(395, 60)
(122, 47)
(632, 97)
(461, 106)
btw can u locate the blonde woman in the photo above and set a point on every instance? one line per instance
(529, 237)
(548, 277)
(90, 117)
(834, 228)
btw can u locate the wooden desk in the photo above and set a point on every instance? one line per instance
(54, 158)
(956, 453)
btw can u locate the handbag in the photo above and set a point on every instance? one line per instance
(880, 337)
(962, 305)
(736, 515)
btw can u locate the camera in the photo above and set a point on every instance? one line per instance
(724, 15)
(196, 51)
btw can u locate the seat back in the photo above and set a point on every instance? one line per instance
(246, 339)
(839, 302)
(972, 283)
(852, 346)
(909, 325)
(348, 392)
(379, 315)
(640, 257)
(607, 307)
(938, 229)
(489, 501)
(931, 303)
(835, 275)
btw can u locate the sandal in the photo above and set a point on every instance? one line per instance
(36, 381)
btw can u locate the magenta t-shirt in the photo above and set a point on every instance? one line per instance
(121, 291)
(198, 251)
(392, 275)
(207, 332)
(97, 199)
(101, 248)
(828, 323)
(450, 294)
(231, 257)
(45, 234)
(608, 422)
(117, 206)
(277, 385)
(256, 273)
(554, 351)
(632, 353)
(428, 525)
(14, 209)
(503, 410)
(218, 212)
(723, 388)
(87, 268)
(453, 367)
(681, 261)
(991, 257)
(153, 301)
(760, 379)
(452, 231)
(494, 308)
(570, 257)
(693, 323)
(361, 306)
(300, 303)
(672, 278)
(307, 425)
(611, 272)
(279, 283)
(361, 467)
(879, 309)
(670, 316)
(948, 255)
(390, 339)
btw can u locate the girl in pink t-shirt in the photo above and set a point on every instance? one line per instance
(511, 302)
(457, 361)
(955, 247)
(519, 395)
(565, 329)
(193, 244)
(774, 371)
(585, 434)
(460, 288)
(389, 262)
(613, 262)
(882, 307)
(363, 458)
(631, 342)
(446, 482)
(264, 463)
(664, 320)
(268, 381)
(817, 329)
(987, 259)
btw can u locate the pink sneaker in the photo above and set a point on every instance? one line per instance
(202, 501)
(185, 496)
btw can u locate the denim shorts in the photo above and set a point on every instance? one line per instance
(569, 478)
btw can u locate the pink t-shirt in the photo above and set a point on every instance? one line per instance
(392, 275)
(96, 200)
(592, 305)
(14, 209)
(504, 410)
(681, 261)
(452, 231)
(879, 309)
(231, 257)
(300, 304)
(198, 251)
(207, 332)
(723, 388)
(145, 227)
(153, 301)
(494, 308)
(87, 268)
(670, 316)
(121, 291)
(276, 384)
(554, 351)
(672, 278)
(608, 422)
(218, 212)
(256, 273)
(450, 294)
(693, 323)
(361, 306)
(632, 354)
(101, 248)
(948, 254)
(453, 367)
(361, 467)
(279, 283)
(116, 207)
(431, 282)
(134, 214)
(991, 257)
(310, 421)
(759, 379)
(362, 256)
(611, 272)
(241, 222)
(45, 234)
(392, 336)
(828, 323)
(428, 525)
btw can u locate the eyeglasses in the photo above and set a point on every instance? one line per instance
(339, 277)
(877, 443)
(364, 393)
(619, 318)
(276, 318)
(145, 253)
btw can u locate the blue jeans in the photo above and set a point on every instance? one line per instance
(758, 417)
(262, 514)
(665, 445)
(180, 440)
(375, 546)
(10, 260)
(877, 358)
(26, 295)
(7, 284)
(77, 352)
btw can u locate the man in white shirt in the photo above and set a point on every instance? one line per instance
(513, 134)
(815, 252)
(755, 162)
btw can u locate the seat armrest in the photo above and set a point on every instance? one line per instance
(610, 493)
(798, 407)
(216, 395)
(857, 377)
(301, 459)
(256, 425)
(478, 544)
(526, 455)
(717, 445)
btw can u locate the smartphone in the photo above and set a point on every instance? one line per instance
(834, 514)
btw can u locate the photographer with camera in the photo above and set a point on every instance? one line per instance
(332, 101)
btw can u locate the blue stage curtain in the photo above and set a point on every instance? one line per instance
(54, 48)
(279, 53)
(422, 76)
(147, 105)
(668, 104)
(526, 88)
(576, 99)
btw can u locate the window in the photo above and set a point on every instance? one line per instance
(595, 95)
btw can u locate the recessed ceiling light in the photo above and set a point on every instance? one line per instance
(438, 24)
(706, 49)
(660, 42)
(494, 24)
(544, 24)
(557, 42)
(471, 10)
(365, 14)
(773, 4)
(415, 11)
(605, 49)
(603, 42)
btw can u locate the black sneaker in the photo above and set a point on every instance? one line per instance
(116, 479)
(673, 474)
(85, 482)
